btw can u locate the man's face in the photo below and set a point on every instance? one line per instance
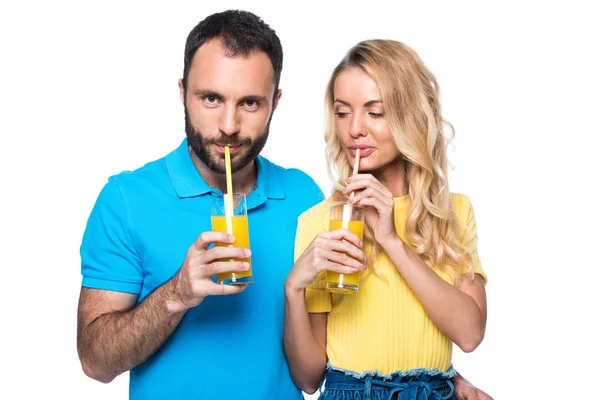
(228, 102)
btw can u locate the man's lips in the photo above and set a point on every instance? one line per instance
(232, 149)
(364, 150)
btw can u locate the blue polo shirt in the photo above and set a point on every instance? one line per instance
(136, 239)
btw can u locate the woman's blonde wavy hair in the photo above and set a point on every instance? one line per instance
(410, 96)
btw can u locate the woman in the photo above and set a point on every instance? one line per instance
(422, 287)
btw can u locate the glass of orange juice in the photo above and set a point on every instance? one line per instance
(344, 215)
(238, 227)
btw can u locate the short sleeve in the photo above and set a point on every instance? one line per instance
(469, 237)
(309, 194)
(318, 300)
(109, 260)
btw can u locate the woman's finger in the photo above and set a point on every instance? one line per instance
(338, 235)
(343, 258)
(340, 268)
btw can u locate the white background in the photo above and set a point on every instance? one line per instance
(89, 89)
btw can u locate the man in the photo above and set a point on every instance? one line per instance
(148, 304)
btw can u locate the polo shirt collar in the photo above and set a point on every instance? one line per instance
(266, 179)
(183, 173)
(189, 183)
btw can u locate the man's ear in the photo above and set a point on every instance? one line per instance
(181, 91)
(277, 97)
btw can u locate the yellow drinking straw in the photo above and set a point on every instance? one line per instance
(228, 199)
(346, 215)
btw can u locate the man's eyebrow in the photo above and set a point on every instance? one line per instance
(205, 93)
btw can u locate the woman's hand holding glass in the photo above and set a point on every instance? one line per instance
(338, 251)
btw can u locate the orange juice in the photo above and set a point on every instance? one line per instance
(242, 239)
(345, 283)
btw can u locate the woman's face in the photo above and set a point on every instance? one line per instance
(361, 122)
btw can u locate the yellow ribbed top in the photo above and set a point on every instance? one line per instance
(383, 327)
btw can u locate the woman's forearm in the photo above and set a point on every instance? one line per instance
(306, 357)
(455, 313)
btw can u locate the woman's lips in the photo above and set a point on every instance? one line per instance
(364, 150)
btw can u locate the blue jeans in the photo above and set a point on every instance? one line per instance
(415, 384)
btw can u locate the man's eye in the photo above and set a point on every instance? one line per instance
(210, 99)
(250, 103)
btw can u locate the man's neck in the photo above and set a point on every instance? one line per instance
(243, 181)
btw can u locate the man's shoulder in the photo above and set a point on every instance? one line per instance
(293, 180)
(151, 171)
(292, 175)
(298, 187)
(318, 211)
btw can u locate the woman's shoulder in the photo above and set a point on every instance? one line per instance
(460, 200)
(461, 203)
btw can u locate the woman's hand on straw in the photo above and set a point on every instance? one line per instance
(378, 203)
(336, 251)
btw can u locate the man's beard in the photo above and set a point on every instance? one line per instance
(249, 150)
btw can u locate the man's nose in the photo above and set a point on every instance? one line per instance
(229, 123)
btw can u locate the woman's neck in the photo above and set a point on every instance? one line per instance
(393, 177)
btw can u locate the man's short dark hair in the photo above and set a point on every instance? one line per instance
(241, 33)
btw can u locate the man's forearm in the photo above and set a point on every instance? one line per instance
(118, 341)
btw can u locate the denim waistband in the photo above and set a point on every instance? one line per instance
(414, 384)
